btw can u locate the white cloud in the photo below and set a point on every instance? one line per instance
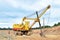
(10, 23)
(57, 2)
(5, 25)
(55, 13)
(41, 4)
(37, 5)
(13, 3)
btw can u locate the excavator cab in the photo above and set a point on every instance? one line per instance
(27, 25)
(25, 29)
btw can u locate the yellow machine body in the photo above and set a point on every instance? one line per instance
(21, 27)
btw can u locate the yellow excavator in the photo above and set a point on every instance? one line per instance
(24, 28)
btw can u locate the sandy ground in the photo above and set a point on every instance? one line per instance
(49, 34)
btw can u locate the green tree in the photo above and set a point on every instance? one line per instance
(58, 23)
(47, 26)
(55, 25)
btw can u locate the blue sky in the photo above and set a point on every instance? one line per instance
(12, 11)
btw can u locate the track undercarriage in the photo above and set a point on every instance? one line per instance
(23, 32)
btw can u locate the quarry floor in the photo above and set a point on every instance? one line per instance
(48, 34)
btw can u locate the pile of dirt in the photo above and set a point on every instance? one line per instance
(52, 30)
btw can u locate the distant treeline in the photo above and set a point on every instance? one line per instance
(5, 28)
(47, 26)
(58, 24)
